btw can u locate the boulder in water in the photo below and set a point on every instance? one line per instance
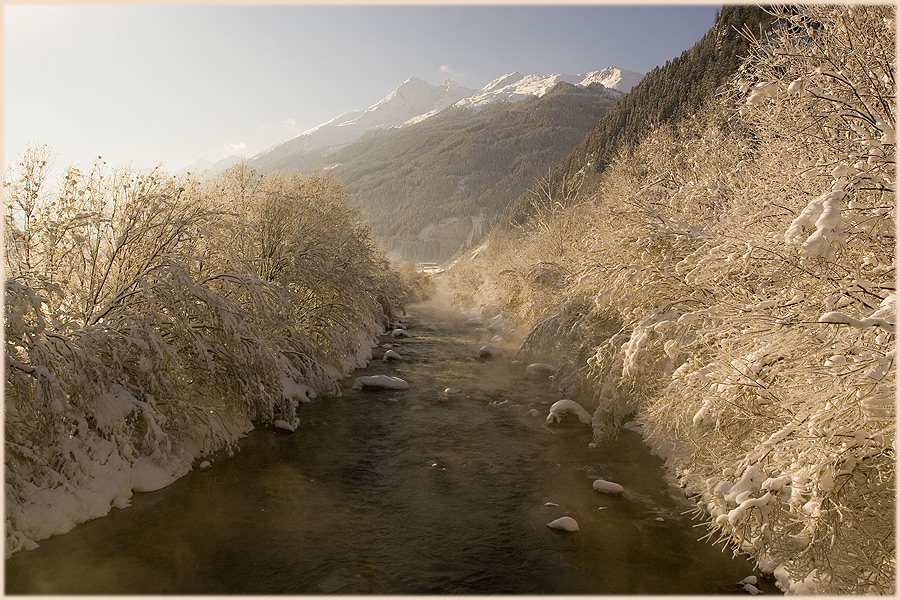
(540, 370)
(380, 381)
(489, 351)
(608, 487)
(391, 355)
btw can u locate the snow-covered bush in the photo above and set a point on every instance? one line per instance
(730, 282)
(151, 320)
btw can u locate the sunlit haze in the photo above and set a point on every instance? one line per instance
(173, 84)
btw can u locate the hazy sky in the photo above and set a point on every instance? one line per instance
(172, 84)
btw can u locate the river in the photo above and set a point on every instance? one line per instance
(403, 492)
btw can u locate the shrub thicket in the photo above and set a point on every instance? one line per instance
(729, 282)
(152, 319)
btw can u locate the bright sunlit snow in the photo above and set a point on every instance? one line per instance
(563, 407)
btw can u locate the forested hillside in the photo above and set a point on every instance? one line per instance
(665, 95)
(461, 166)
(152, 320)
(720, 268)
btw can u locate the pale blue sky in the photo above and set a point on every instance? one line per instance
(169, 83)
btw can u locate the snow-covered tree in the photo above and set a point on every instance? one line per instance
(151, 320)
(729, 282)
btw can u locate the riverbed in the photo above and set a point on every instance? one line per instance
(395, 492)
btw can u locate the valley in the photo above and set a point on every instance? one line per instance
(586, 334)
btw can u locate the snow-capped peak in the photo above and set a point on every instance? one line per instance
(412, 98)
(515, 86)
(614, 78)
(415, 100)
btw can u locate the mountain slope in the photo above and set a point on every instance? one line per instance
(415, 101)
(428, 187)
(664, 95)
(412, 98)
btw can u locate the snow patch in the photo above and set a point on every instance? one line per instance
(298, 392)
(563, 407)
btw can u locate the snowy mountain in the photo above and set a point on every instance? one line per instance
(515, 86)
(415, 100)
(433, 187)
(414, 97)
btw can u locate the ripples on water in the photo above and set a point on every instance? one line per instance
(402, 492)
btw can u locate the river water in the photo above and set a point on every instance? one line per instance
(403, 492)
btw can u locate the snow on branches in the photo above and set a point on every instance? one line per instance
(151, 320)
(731, 283)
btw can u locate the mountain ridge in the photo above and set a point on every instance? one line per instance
(414, 101)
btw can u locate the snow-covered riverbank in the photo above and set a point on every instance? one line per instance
(200, 310)
(361, 497)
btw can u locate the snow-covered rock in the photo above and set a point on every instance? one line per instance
(564, 523)
(563, 407)
(540, 370)
(398, 333)
(282, 425)
(489, 351)
(391, 355)
(380, 381)
(607, 487)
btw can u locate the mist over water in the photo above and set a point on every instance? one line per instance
(403, 492)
